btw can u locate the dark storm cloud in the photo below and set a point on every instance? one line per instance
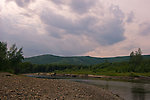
(81, 6)
(22, 3)
(69, 26)
(113, 30)
(110, 33)
(107, 33)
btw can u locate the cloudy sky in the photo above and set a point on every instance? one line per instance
(101, 28)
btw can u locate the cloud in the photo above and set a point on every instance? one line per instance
(144, 28)
(81, 6)
(56, 20)
(22, 3)
(26, 33)
(25, 37)
(116, 11)
(113, 32)
(108, 32)
(130, 17)
(0, 8)
(57, 1)
(73, 27)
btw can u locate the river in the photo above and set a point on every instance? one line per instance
(126, 90)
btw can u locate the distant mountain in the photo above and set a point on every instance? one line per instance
(84, 60)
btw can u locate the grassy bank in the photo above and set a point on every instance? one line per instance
(111, 73)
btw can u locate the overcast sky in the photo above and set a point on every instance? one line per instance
(101, 28)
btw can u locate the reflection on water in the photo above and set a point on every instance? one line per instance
(126, 90)
(138, 92)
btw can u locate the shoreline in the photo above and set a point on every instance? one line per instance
(143, 79)
(21, 87)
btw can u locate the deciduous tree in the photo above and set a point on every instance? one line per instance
(135, 59)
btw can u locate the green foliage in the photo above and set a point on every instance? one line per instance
(135, 59)
(111, 69)
(3, 54)
(106, 68)
(14, 55)
(10, 59)
(3, 50)
(132, 74)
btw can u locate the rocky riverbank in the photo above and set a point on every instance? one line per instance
(16, 87)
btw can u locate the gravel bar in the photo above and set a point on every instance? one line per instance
(17, 87)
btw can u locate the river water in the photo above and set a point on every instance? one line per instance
(126, 90)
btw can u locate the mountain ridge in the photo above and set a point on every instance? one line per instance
(76, 60)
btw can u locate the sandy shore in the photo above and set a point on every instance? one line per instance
(13, 87)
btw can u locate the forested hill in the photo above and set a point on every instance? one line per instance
(84, 60)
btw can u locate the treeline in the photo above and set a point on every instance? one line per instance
(122, 67)
(11, 61)
(136, 63)
(27, 67)
(116, 67)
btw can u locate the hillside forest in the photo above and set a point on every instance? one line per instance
(12, 60)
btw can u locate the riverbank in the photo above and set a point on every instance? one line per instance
(133, 78)
(14, 87)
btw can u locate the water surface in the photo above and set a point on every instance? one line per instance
(126, 90)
